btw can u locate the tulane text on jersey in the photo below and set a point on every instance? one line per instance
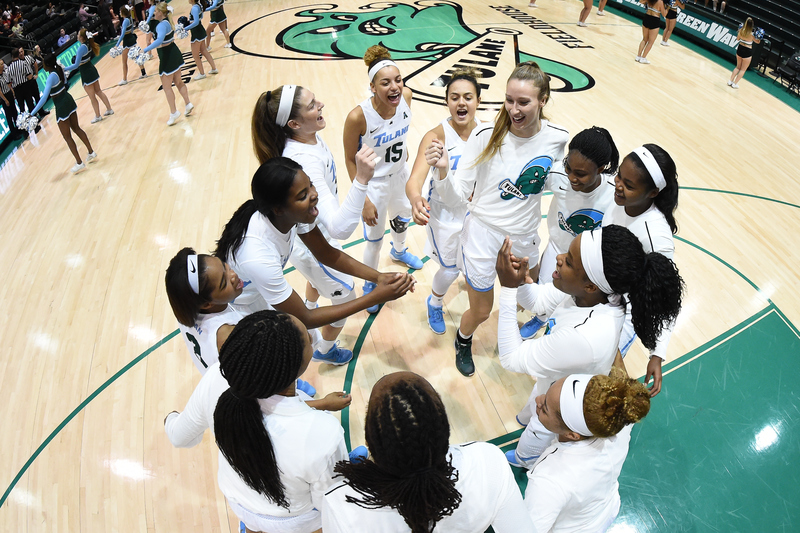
(386, 137)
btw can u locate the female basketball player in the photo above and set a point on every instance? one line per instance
(416, 481)
(646, 196)
(287, 122)
(127, 40)
(574, 485)
(583, 189)
(744, 52)
(170, 62)
(650, 24)
(381, 122)
(671, 19)
(89, 76)
(66, 111)
(502, 175)
(443, 222)
(218, 18)
(258, 240)
(198, 38)
(278, 452)
(584, 327)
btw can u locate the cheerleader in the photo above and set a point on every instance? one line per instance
(443, 222)
(258, 240)
(646, 196)
(381, 122)
(170, 62)
(583, 189)
(250, 400)
(127, 40)
(501, 176)
(671, 19)
(744, 52)
(574, 485)
(287, 122)
(151, 24)
(587, 9)
(66, 112)
(654, 9)
(89, 75)
(198, 37)
(218, 18)
(416, 481)
(587, 313)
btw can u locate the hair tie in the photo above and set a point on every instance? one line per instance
(285, 107)
(192, 273)
(652, 167)
(572, 392)
(379, 65)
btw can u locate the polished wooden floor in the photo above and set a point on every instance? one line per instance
(84, 256)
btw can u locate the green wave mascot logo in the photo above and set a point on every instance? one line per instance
(580, 221)
(530, 181)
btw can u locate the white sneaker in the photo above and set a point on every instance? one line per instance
(638, 58)
(78, 168)
(644, 60)
(212, 33)
(582, 24)
(91, 157)
(601, 13)
(734, 86)
(664, 43)
(213, 71)
(189, 109)
(730, 83)
(96, 120)
(199, 77)
(208, 47)
(123, 82)
(532, 5)
(173, 117)
(229, 45)
(108, 113)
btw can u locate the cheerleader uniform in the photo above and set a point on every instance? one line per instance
(151, 22)
(307, 444)
(653, 231)
(672, 9)
(577, 340)
(217, 12)
(745, 49)
(64, 103)
(652, 18)
(506, 198)
(201, 339)
(83, 62)
(198, 33)
(490, 497)
(570, 214)
(170, 59)
(126, 36)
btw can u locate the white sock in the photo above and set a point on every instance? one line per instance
(398, 241)
(436, 301)
(311, 305)
(324, 346)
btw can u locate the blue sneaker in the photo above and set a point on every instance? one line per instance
(368, 287)
(335, 356)
(406, 257)
(242, 528)
(435, 318)
(359, 455)
(306, 387)
(529, 328)
(511, 457)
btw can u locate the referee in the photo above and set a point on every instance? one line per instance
(8, 104)
(20, 72)
(31, 87)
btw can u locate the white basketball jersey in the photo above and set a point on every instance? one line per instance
(454, 145)
(201, 339)
(387, 137)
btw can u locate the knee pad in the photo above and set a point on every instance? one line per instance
(399, 224)
(340, 299)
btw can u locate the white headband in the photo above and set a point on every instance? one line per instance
(592, 259)
(652, 167)
(379, 65)
(192, 272)
(285, 107)
(572, 393)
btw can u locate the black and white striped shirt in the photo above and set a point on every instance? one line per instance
(4, 81)
(18, 71)
(31, 61)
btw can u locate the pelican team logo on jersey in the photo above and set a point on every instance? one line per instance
(580, 221)
(429, 39)
(530, 181)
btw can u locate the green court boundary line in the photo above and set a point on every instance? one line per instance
(735, 193)
(345, 414)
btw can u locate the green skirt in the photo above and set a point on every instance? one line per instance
(129, 40)
(152, 26)
(170, 59)
(64, 104)
(218, 15)
(89, 74)
(198, 33)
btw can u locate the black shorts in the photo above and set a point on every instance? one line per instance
(672, 14)
(651, 22)
(744, 52)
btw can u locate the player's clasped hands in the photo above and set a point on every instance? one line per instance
(393, 285)
(511, 271)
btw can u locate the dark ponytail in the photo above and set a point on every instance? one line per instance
(667, 199)
(596, 145)
(261, 357)
(652, 282)
(51, 65)
(269, 139)
(233, 232)
(408, 434)
(184, 301)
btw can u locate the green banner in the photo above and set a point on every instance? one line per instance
(722, 37)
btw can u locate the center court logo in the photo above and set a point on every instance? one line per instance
(428, 38)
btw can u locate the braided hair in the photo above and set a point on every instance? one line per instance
(262, 357)
(596, 145)
(408, 434)
(652, 282)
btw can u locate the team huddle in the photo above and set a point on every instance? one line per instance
(605, 278)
